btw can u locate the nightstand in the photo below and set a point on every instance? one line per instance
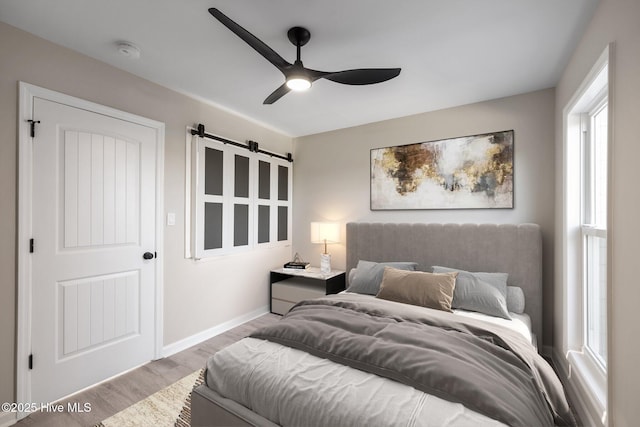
(288, 287)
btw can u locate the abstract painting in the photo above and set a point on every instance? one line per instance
(470, 172)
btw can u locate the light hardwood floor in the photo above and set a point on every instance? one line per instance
(119, 393)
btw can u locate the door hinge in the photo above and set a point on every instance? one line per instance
(31, 245)
(32, 123)
(31, 361)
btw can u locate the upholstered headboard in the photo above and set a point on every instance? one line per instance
(505, 248)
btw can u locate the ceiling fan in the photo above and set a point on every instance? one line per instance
(297, 77)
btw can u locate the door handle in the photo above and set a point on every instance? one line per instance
(148, 255)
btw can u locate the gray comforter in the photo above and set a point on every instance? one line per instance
(489, 369)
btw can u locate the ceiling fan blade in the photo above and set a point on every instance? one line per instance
(277, 94)
(362, 76)
(264, 50)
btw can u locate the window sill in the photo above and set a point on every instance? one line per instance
(591, 382)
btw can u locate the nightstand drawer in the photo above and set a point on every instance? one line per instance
(287, 288)
(281, 307)
(297, 289)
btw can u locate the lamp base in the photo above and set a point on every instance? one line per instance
(325, 263)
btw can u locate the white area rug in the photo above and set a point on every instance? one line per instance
(168, 407)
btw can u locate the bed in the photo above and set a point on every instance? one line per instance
(360, 359)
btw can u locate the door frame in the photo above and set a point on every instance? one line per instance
(27, 94)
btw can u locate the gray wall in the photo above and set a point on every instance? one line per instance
(615, 21)
(332, 173)
(197, 296)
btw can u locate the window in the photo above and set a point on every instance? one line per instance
(239, 199)
(584, 238)
(594, 230)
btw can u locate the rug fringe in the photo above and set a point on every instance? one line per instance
(184, 419)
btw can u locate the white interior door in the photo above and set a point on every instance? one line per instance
(93, 219)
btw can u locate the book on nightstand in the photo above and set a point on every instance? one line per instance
(295, 265)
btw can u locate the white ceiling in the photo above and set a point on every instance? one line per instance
(452, 52)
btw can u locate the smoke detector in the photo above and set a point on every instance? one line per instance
(128, 49)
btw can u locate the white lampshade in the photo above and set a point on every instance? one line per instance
(325, 232)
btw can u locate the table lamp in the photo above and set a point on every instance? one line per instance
(325, 232)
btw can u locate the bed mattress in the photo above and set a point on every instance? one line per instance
(271, 380)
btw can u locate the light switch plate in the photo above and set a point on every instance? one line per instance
(171, 218)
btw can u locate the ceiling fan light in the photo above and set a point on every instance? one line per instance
(298, 83)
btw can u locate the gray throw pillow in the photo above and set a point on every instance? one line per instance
(368, 275)
(497, 280)
(482, 292)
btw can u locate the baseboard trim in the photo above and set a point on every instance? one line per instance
(8, 419)
(579, 398)
(195, 339)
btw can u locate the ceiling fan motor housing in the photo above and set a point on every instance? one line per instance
(299, 36)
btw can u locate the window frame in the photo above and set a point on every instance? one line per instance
(589, 225)
(588, 378)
